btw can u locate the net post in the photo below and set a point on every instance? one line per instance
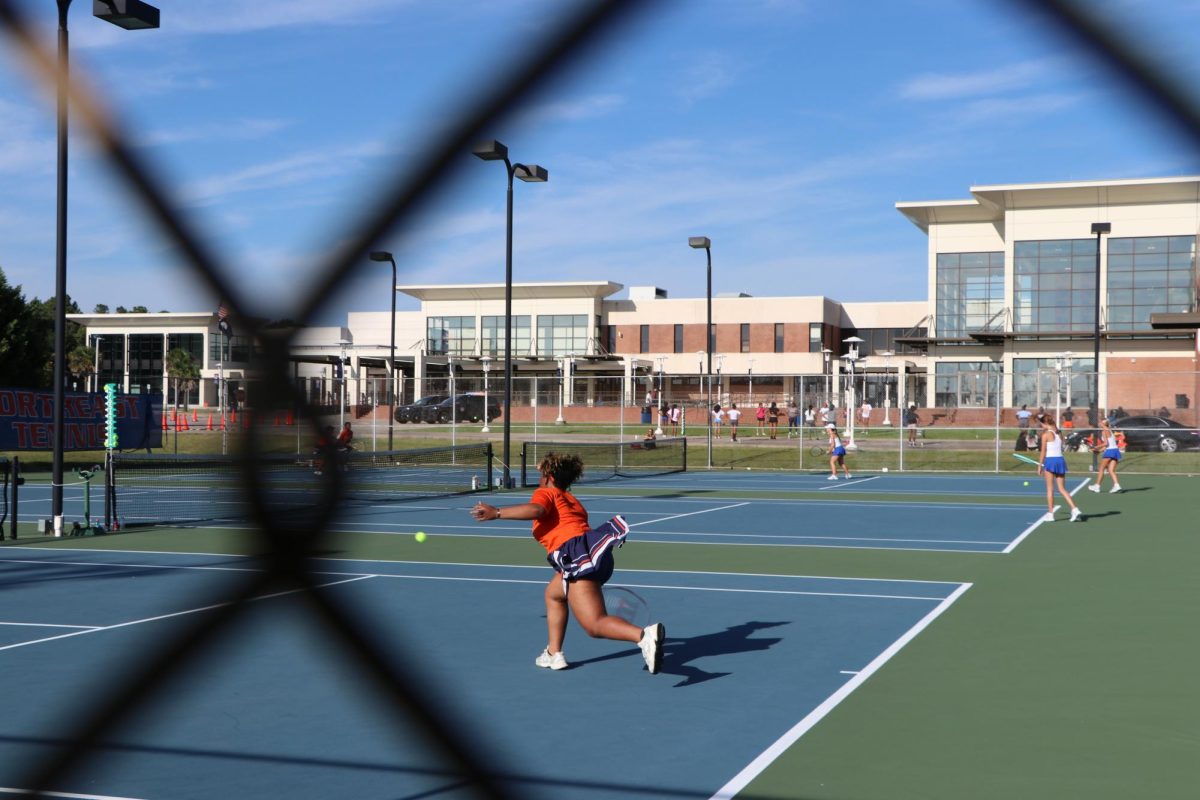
(684, 442)
(524, 464)
(110, 511)
(490, 455)
(4, 473)
(14, 508)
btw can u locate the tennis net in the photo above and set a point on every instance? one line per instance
(604, 460)
(156, 489)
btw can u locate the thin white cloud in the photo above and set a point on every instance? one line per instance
(955, 86)
(708, 75)
(230, 131)
(592, 107)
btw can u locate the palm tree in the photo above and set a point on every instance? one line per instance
(182, 367)
(81, 362)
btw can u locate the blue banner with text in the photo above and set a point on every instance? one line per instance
(27, 420)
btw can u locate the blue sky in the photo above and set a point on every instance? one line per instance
(784, 131)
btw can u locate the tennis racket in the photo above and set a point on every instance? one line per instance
(817, 450)
(1026, 459)
(627, 604)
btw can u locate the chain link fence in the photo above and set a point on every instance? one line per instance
(459, 754)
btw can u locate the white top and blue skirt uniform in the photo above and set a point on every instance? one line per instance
(1111, 451)
(838, 448)
(1054, 463)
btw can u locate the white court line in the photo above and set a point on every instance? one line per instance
(689, 514)
(1041, 519)
(49, 625)
(169, 616)
(7, 790)
(846, 482)
(768, 756)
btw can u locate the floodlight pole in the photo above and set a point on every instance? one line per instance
(493, 150)
(887, 387)
(136, 15)
(1098, 228)
(705, 244)
(383, 255)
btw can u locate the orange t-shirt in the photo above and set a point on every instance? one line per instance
(565, 517)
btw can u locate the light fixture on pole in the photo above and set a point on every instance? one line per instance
(750, 378)
(341, 375)
(1062, 363)
(487, 366)
(705, 244)
(720, 384)
(493, 150)
(383, 255)
(562, 384)
(658, 431)
(887, 386)
(851, 358)
(825, 351)
(130, 15)
(1098, 228)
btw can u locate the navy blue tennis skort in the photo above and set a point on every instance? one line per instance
(589, 555)
(1112, 453)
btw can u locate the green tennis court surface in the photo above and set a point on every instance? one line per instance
(1057, 665)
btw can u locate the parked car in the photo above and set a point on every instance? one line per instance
(413, 412)
(466, 408)
(1146, 433)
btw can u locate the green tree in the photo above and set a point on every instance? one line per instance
(122, 310)
(81, 362)
(43, 311)
(100, 309)
(183, 370)
(139, 310)
(21, 343)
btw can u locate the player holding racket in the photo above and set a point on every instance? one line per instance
(1108, 458)
(582, 557)
(1054, 467)
(837, 453)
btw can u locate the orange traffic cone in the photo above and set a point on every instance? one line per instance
(222, 422)
(183, 419)
(195, 415)
(233, 415)
(210, 425)
(290, 419)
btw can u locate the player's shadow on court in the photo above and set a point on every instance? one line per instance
(679, 653)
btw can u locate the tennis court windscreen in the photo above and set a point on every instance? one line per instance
(603, 460)
(173, 489)
(5, 467)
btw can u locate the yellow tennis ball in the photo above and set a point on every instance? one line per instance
(420, 537)
(1026, 483)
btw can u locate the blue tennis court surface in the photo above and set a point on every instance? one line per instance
(275, 709)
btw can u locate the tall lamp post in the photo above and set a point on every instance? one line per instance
(341, 371)
(750, 379)
(658, 431)
(130, 15)
(493, 150)
(825, 351)
(1062, 363)
(1098, 228)
(705, 244)
(487, 366)
(383, 255)
(851, 359)
(887, 386)
(562, 385)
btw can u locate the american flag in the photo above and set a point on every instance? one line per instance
(223, 320)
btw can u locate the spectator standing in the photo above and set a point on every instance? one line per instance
(911, 421)
(1023, 416)
(761, 416)
(734, 416)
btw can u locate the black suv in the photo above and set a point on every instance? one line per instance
(414, 412)
(465, 408)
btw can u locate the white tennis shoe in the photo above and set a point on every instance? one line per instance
(548, 661)
(1116, 488)
(652, 645)
(1076, 515)
(832, 478)
(1095, 487)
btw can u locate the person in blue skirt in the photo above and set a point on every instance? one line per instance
(1053, 466)
(1109, 457)
(837, 453)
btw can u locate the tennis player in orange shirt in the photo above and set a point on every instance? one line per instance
(583, 560)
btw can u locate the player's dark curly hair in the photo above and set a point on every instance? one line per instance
(565, 469)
